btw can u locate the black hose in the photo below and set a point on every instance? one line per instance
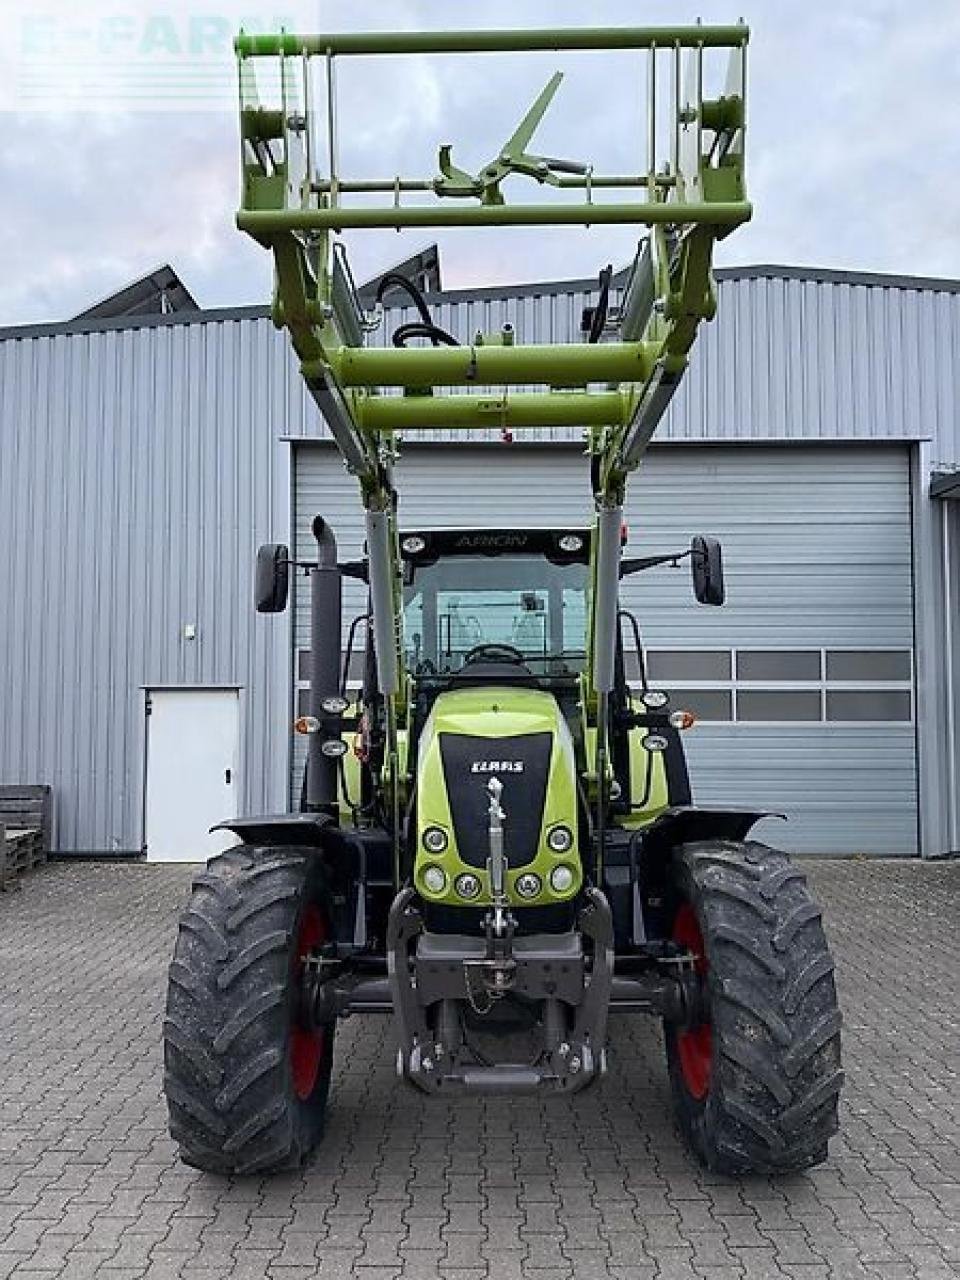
(426, 328)
(416, 329)
(395, 279)
(599, 318)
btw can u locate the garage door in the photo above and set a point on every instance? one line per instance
(803, 682)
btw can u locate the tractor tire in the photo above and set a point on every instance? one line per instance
(246, 1081)
(756, 1084)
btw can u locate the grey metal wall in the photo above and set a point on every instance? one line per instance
(817, 542)
(139, 467)
(138, 470)
(787, 358)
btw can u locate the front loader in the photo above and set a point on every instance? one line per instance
(496, 844)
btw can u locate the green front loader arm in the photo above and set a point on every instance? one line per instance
(689, 193)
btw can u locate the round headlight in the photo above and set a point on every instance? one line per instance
(654, 698)
(562, 878)
(467, 885)
(570, 542)
(560, 839)
(413, 545)
(654, 742)
(434, 839)
(528, 885)
(334, 706)
(333, 748)
(434, 879)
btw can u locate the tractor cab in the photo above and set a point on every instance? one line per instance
(495, 604)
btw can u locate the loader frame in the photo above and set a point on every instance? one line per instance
(687, 192)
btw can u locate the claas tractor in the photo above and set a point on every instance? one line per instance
(496, 843)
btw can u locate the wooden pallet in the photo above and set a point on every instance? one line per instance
(25, 831)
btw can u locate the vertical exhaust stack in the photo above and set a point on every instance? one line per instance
(326, 608)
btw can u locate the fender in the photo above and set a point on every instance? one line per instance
(688, 824)
(279, 829)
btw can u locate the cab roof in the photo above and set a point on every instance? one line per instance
(566, 542)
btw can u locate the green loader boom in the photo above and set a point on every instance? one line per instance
(686, 192)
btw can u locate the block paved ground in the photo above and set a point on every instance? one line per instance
(407, 1187)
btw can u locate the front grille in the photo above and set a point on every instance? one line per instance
(521, 764)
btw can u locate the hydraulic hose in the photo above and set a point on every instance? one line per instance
(426, 328)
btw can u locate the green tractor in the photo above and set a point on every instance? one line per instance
(496, 842)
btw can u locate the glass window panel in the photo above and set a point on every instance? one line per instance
(869, 704)
(868, 664)
(778, 704)
(778, 664)
(697, 664)
(706, 704)
(303, 664)
(459, 602)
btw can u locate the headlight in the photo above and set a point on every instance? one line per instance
(413, 545)
(654, 742)
(560, 839)
(434, 839)
(334, 706)
(467, 885)
(654, 698)
(571, 542)
(528, 885)
(562, 878)
(434, 879)
(333, 748)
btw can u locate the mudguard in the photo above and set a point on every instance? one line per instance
(687, 824)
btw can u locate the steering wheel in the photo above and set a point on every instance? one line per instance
(495, 652)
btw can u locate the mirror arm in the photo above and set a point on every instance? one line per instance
(639, 563)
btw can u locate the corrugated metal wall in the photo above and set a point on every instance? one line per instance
(138, 470)
(817, 547)
(785, 359)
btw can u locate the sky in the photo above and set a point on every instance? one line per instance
(118, 148)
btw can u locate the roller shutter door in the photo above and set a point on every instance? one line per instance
(803, 681)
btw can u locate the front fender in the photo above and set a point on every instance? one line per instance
(279, 829)
(688, 824)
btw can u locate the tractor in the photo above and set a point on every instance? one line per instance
(496, 842)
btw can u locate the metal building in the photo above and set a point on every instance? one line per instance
(143, 458)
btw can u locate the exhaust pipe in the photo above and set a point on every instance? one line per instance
(326, 609)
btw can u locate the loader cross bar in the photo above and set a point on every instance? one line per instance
(495, 41)
(687, 190)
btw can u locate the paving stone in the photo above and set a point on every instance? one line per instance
(595, 1187)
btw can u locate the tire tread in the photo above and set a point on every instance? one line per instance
(226, 1076)
(773, 1102)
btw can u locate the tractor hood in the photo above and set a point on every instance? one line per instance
(520, 737)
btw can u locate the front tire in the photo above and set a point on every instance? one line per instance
(756, 1083)
(246, 1079)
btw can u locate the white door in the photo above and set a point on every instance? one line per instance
(192, 738)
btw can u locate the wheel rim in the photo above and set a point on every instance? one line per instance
(306, 1046)
(694, 1044)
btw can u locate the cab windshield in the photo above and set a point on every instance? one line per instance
(525, 602)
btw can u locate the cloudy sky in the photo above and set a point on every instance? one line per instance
(119, 150)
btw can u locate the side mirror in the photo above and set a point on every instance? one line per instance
(272, 579)
(706, 564)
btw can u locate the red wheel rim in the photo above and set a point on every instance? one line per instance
(695, 1044)
(306, 1046)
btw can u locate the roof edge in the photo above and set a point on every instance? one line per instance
(763, 271)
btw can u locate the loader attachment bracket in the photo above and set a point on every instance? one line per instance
(686, 190)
